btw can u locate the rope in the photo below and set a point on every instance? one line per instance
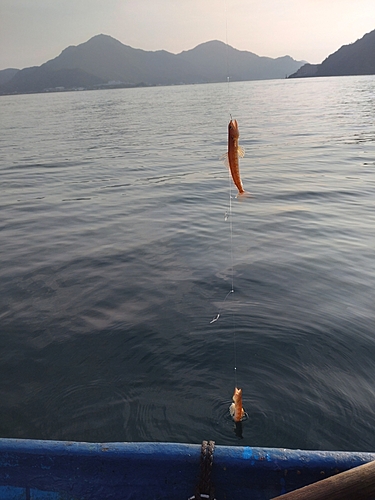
(204, 488)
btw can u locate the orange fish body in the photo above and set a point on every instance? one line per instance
(234, 152)
(236, 410)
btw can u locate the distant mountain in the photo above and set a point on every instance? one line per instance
(358, 58)
(43, 78)
(214, 60)
(7, 74)
(103, 61)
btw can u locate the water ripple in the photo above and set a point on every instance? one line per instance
(116, 256)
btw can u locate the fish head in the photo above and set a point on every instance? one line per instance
(233, 129)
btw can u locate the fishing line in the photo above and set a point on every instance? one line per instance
(228, 214)
(227, 56)
(232, 272)
(232, 276)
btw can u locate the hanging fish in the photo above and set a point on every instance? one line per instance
(235, 409)
(234, 153)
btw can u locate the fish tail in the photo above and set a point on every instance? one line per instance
(243, 194)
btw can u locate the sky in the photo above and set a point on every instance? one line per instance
(34, 31)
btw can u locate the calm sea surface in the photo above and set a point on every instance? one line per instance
(116, 255)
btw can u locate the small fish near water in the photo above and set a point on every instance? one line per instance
(235, 151)
(235, 409)
(237, 412)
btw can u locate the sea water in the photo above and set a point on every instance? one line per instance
(116, 255)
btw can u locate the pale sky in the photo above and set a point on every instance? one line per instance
(34, 31)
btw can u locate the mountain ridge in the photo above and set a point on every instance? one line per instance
(357, 58)
(103, 59)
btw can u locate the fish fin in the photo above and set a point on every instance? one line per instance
(241, 151)
(232, 409)
(225, 159)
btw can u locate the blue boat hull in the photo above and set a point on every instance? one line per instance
(51, 470)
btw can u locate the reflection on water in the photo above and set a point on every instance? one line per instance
(116, 256)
